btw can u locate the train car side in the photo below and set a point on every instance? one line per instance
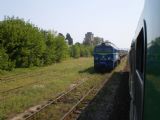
(145, 65)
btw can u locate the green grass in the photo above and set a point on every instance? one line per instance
(52, 79)
(56, 111)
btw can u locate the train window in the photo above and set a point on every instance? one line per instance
(140, 53)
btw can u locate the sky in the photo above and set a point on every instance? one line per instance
(114, 20)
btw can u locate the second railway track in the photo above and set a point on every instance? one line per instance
(32, 112)
(73, 102)
(19, 87)
(61, 106)
(14, 77)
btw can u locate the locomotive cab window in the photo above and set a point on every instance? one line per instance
(140, 53)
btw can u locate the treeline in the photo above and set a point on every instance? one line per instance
(80, 50)
(22, 44)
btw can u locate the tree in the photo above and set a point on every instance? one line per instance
(23, 42)
(80, 50)
(61, 49)
(89, 37)
(75, 51)
(69, 38)
(97, 40)
(60, 34)
(3, 60)
(49, 54)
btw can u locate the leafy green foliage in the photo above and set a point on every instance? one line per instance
(22, 41)
(75, 51)
(62, 50)
(3, 59)
(22, 44)
(97, 40)
(80, 50)
(49, 54)
(26, 45)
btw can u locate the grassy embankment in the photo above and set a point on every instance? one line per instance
(51, 81)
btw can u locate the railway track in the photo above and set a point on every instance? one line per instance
(15, 89)
(19, 87)
(14, 77)
(30, 113)
(18, 76)
(8, 77)
(76, 110)
(12, 90)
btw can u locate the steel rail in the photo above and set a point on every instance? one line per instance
(52, 101)
(71, 112)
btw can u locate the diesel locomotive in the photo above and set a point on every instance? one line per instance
(106, 56)
(144, 60)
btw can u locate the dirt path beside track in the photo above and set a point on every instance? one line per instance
(112, 102)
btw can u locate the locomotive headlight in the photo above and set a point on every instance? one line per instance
(96, 58)
(109, 58)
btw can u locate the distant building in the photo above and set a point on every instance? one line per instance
(89, 38)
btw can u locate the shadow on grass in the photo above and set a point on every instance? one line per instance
(111, 102)
(91, 70)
